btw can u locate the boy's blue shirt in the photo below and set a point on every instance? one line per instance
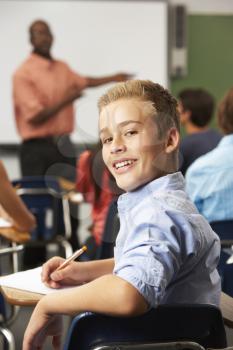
(165, 248)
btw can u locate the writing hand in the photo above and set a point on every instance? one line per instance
(68, 276)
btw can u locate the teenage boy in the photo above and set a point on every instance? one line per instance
(165, 250)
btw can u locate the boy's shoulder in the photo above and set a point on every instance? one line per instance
(165, 192)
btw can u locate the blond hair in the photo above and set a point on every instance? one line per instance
(164, 104)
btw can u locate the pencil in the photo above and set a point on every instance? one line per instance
(72, 257)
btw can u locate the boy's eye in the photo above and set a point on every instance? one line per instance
(131, 132)
(107, 140)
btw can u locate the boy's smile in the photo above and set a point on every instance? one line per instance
(131, 148)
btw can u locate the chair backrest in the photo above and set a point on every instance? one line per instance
(224, 229)
(42, 196)
(111, 229)
(202, 324)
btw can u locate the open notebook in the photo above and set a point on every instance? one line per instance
(29, 280)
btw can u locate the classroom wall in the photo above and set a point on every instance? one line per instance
(210, 54)
(206, 6)
(209, 47)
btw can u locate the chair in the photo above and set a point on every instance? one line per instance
(224, 230)
(201, 324)
(8, 337)
(44, 198)
(7, 318)
(111, 229)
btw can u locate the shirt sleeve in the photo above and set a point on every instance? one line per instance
(27, 102)
(151, 266)
(193, 188)
(79, 80)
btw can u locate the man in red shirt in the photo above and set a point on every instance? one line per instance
(43, 90)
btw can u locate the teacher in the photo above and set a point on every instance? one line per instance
(44, 90)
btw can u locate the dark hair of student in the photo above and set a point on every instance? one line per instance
(200, 103)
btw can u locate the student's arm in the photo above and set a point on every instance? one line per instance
(93, 82)
(22, 219)
(108, 294)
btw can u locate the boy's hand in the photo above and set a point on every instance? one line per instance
(40, 326)
(69, 276)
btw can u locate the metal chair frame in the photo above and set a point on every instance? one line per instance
(6, 321)
(56, 237)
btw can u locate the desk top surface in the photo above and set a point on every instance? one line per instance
(20, 297)
(14, 235)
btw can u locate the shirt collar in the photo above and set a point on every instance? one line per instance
(226, 141)
(41, 60)
(173, 181)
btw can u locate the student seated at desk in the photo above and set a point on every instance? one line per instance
(12, 207)
(165, 251)
(209, 180)
(99, 188)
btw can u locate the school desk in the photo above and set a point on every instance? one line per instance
(20, 297)
(13, 235)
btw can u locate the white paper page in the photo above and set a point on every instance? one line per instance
(5, 223)
(29, 280)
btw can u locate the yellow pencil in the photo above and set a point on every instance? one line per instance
(72, 257)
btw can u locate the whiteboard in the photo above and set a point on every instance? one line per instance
(95, 38)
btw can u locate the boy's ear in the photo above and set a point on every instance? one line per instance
(172, 140)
